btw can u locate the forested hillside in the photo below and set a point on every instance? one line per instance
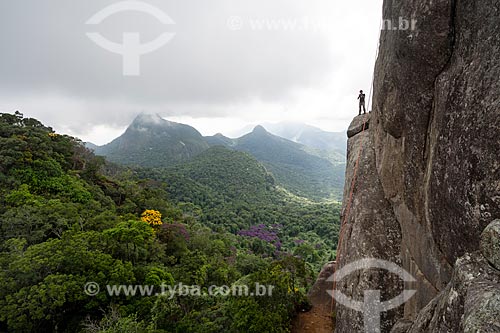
(303, 170)
(235, 191)
(151, 141)
(68, 218)
(312, 171)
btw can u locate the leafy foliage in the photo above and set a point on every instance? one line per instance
(151, 217)
(68, 218)
(235, 192)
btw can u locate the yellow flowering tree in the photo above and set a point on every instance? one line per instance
(151, 217)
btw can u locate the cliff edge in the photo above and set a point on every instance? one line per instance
(369, 231)
(433, 154)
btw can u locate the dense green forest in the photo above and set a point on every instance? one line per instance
(68, 218)
(153, 142)
(305, 171)
(234, 191)
(297, 167)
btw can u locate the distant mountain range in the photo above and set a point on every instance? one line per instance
(307, 135)
(294, 165)
(151, 141)
(310, 136)
(315, 170)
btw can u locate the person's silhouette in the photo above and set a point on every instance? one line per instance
(361, 98)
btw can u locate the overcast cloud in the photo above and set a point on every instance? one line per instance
(218, 73)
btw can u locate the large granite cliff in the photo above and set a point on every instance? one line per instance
(433, 150)
(370, 231)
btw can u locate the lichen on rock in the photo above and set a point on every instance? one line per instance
(490, 243)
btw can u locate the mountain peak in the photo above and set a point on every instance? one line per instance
(152, 141)
(149, 119)
(259, 130)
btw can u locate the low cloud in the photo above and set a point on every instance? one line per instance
(285, 58)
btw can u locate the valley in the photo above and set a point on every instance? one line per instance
(217, 217)
(314, 171)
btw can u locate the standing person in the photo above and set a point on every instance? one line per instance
(361, 98)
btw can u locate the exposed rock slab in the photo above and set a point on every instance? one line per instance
(470, 302)
(433, 135)
(371, 231)
(318, 294)
(490, 243)
(319, 318)
(435, 125)
(357, 125)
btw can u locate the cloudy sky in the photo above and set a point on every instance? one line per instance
(230, 63)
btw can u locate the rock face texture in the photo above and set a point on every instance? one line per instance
(490, 243)
(471, 301)
(435, 128)
(318, 295)
(370, 231)
(435, 144)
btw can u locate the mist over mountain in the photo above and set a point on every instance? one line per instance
(220, 140)
(68, 216)
(91, 146)
(309, 135)
(300, 171)
(151, 141)
(328, 145)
